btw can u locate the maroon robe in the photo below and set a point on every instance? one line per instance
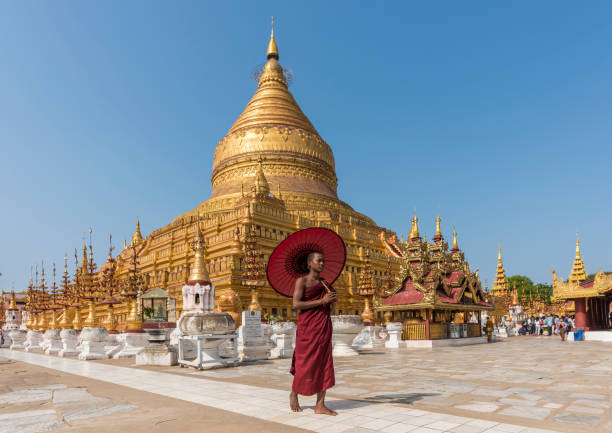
(313, 366)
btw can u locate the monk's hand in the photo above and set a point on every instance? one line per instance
(329, 298)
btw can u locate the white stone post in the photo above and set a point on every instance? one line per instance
(33, 339)
(92, 343)
(394, 329)
(282, 337)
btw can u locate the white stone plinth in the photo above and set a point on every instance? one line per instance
(18, 337)
(282, 338)
(53, 342)
(70, 339)
(33, 340)
(345, 329)
(252, 345)
(156, 354)
(131, 343)
(370, 337)
(92, 345)
(394, 329)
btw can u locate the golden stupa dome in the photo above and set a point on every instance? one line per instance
(273, 127)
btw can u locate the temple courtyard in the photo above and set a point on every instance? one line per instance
(522, 384)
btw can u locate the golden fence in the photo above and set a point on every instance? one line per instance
(413, 331)
(438, 331)
(474, 330)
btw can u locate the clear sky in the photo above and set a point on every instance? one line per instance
(495, 114)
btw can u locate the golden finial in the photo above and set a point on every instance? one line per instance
(13, 303)
(124, 243)
(499, 258)
(272, 47)
(137, 237)
(279, 195)
(261, 183)
(199, 273)
(438, 231)
(455, 245)
(577, 247)
(414, 229)
(84, 258)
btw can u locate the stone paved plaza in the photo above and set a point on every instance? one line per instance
(523, 384)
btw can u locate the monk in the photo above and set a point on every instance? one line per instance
(313, 366)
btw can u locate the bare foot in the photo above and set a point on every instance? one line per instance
(324, 410)
(294, 403)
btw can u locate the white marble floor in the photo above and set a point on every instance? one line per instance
(271, 405)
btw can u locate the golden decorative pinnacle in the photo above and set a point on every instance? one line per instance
(137, 237)
(578, 272)
(438, 230)
(199, 273)
(455, 245)
(261, 183)
(13, 303)
(272, 47)
(577, 248)
(414, 229)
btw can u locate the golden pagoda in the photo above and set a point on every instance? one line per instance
(272, 174)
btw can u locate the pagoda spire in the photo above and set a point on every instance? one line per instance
(455, 244)
(261, 186)
(578, 272)
(414, 229)
(438, 236)
(137, 236)
(272, 47)
(500, 286)
(199, 273)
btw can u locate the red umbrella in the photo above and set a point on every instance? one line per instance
(288, 260)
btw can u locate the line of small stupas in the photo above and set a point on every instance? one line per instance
(74, 305)
(504, 297)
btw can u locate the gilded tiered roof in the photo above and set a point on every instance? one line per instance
(500, 287)
(578, 285)
(578, 272)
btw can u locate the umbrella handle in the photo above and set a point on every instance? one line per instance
(326, 286)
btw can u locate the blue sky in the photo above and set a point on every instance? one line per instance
(495, 114)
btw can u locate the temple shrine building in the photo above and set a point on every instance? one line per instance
(591, 296)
